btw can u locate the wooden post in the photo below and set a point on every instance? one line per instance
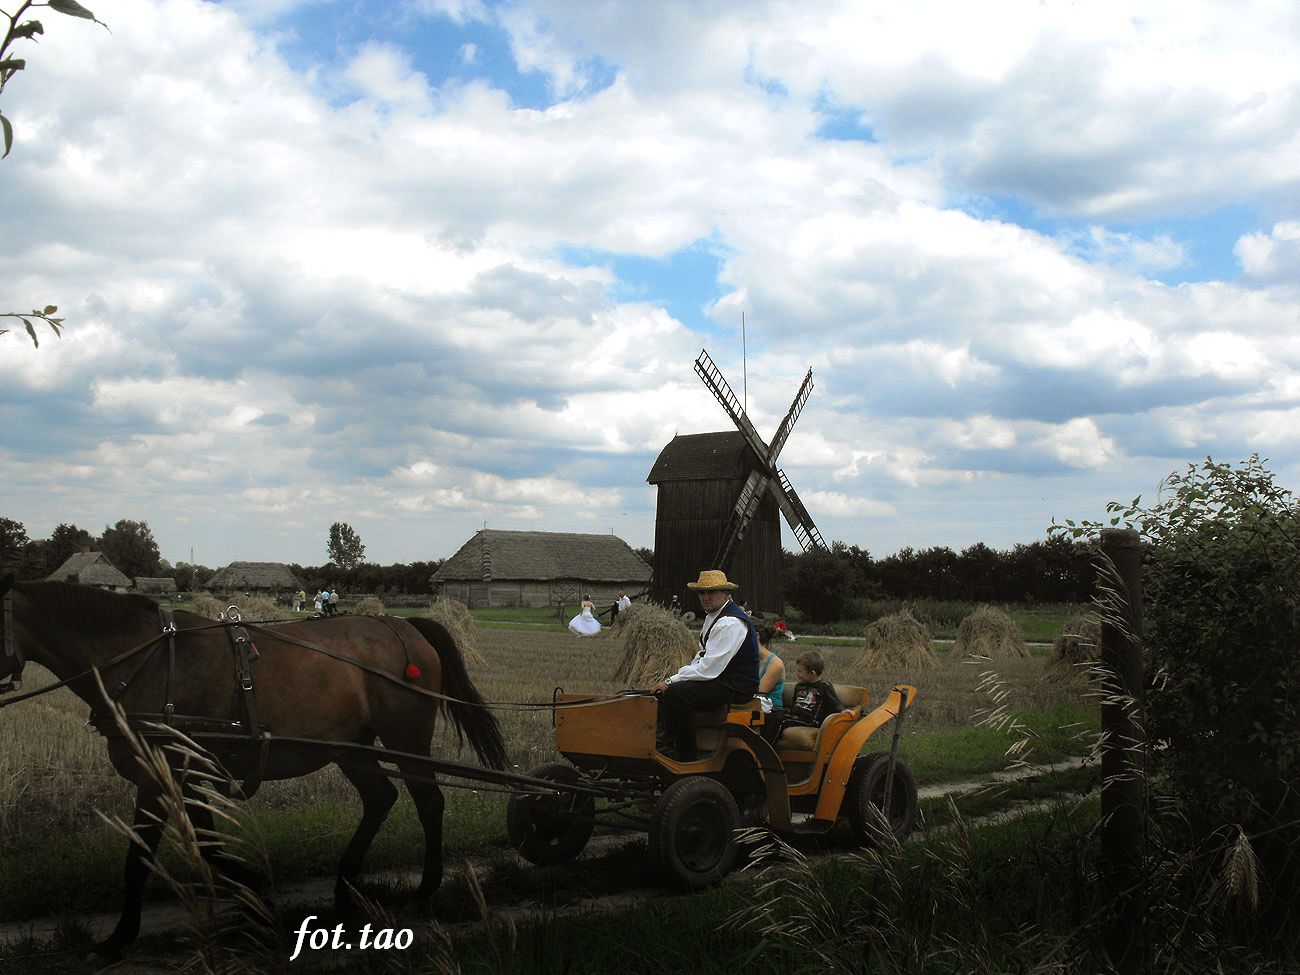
(1123, 802)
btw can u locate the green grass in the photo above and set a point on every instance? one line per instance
(957, 754)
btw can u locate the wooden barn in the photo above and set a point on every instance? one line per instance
(512, 568)
(699, 477)
(91, 569)
(270, 578)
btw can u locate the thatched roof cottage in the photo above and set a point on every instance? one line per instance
(91, 569)
(155, 586)
(505, 568)
(268, 577)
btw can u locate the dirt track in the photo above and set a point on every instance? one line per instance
(162, 918)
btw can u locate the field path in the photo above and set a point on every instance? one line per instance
(164, 917)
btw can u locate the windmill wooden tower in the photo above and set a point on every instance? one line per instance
(720, 500)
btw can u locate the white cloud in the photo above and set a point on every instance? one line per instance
(1272, 257)
(355, 273)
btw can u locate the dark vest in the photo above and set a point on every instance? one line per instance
(741, 672)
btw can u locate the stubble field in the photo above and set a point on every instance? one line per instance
(55, 780)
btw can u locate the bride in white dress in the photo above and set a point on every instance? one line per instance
(585, 623)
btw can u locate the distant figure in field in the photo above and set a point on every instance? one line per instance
(585, 623)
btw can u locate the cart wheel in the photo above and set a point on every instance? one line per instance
(691, 832)
(547, 829)
(865, 797)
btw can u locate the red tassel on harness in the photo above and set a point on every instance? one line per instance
(412, 672)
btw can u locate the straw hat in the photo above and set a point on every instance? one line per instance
(712, 579)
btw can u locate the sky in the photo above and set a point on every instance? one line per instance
(429, 265)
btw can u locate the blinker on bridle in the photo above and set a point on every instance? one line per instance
(15, 681)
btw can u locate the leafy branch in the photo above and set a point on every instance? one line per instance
(29, 30)
(26, 318)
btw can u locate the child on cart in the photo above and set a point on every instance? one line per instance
(814, 699)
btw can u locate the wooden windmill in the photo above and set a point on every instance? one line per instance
(721, 496)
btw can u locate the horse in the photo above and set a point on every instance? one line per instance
(346, 679)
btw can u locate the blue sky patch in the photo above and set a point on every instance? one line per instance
(685, 282)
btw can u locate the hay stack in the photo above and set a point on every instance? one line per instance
(897, 642)
(655, 644)
(1077, 645)
(627, 618)
(250, 608)
(989, 632)
(369, 606)
(459, 621)
(207, 605)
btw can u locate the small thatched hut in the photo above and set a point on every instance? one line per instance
(91, 569)
(505, 568)
(255, 577)
(155, 586)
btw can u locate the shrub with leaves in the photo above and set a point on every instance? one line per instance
(1222, 648)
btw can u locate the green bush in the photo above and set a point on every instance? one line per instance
(1222, 635)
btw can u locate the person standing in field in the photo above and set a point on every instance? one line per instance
(725, 671)
(334, 602)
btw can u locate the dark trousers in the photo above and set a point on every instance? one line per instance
(679, 699)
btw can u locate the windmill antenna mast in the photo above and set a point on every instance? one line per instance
(744, 367)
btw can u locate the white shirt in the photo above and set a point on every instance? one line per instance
(725, 638)
(623, 603)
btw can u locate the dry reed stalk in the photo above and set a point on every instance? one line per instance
(898, 641)
(989, 632)
(655, 644)
(459, 621)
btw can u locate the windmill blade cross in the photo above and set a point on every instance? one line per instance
(751, 495)
(796, 515)
(712, 376)
(783, 431)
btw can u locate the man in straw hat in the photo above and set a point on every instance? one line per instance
(725, 671)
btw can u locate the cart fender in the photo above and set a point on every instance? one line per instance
(840, 767)
(765, 757)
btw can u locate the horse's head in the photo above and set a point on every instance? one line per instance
(11, 660)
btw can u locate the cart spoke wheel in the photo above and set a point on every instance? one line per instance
(865, 799)
(547, 829)
(691, 832)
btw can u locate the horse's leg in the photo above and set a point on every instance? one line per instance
(377, 798)
(148, 825)
(213, 851)
(429, 804)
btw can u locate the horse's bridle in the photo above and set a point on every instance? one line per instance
(15, 681)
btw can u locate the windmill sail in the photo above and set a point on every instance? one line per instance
(712, 377)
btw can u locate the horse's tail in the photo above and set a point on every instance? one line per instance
(468, 715)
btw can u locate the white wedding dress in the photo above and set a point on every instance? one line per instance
(584, 624)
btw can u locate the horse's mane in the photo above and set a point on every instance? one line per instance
(99, 607)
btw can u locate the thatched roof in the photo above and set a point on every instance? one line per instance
(150, 584)
(253, 575)
(494, 555)
(703, 457)
(90, 569)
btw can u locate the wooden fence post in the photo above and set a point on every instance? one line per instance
(1123, 793)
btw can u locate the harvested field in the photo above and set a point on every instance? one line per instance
(57, 775)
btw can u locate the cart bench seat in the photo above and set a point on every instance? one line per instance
(808, 739)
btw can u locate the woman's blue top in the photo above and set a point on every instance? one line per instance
(774, 695)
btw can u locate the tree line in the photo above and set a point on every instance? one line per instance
(131, 548)
(827, 585)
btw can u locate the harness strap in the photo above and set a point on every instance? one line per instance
(169, 629)
(245, 654)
